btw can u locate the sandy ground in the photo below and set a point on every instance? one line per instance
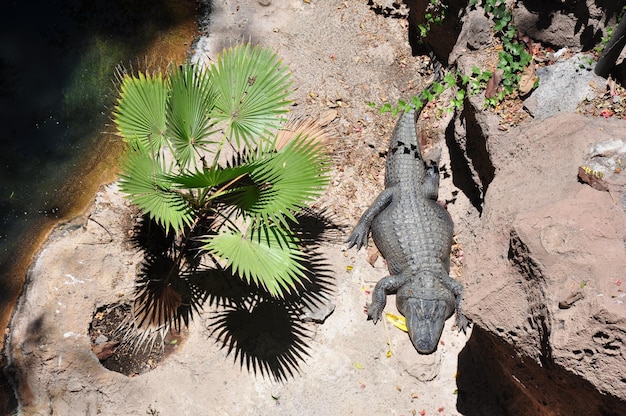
(342, 55)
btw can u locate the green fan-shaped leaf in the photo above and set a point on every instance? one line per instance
(213, 177)
(287, 181)
(189, 105)
(147, 185)
(140, 110)
(252, 88)
(270, 259)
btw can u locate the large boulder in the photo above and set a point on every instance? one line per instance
(566, 23)
(543, 276)
(579, 25)
(574, 76)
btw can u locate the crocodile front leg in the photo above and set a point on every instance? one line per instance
(385, 286)
(361, 231)
(457, 289)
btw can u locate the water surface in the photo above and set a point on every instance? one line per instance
(57, 62)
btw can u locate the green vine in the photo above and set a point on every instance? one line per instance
(464, 84)
(609, 33)
(512, 62)
(513, 59)
(435, 14)
(416, 102)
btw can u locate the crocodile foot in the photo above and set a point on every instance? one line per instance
(462, 322)
(358, 237)
(374, 313)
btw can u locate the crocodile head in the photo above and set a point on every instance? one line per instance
(425, 318)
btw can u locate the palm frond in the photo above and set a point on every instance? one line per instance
(140, 110)
(267, 258)
(148, 186)
(189, 105)
(288, 180)
(316, 129)
(213, 177)
(252, 89)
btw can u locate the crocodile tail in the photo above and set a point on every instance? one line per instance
(404, 138)
(437, 67)
(430, 89)
(405, 131)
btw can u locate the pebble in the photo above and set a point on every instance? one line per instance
(100, 339)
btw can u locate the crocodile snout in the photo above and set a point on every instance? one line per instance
(425, 320)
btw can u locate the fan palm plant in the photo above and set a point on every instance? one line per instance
(230, 216)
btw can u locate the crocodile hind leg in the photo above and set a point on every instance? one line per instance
(359, 235)
(385, 286)
(431, 181)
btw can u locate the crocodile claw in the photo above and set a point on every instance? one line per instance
(462, 322)
(373, 313)
(358, 237)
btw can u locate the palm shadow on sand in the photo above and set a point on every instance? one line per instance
(265, 334)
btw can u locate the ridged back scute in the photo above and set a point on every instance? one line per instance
(404, 160)
(405, 165)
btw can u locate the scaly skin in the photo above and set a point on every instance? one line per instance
(414, 234)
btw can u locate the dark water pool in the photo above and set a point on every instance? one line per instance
(57, 62)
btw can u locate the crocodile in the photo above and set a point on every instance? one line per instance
(413, 232)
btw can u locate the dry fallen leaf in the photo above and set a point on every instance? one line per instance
(492, 85)
(372, 255)
(528, 80)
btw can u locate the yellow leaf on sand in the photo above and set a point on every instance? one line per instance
(358, 366)
(398, 321)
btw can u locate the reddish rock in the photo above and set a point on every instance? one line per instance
(105, 350)
(543, 237)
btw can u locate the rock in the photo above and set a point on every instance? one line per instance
(381, 54)
(100, 339)
(105, 349)
(424, 367)
(372, 255)
(440, 38)
(475, 34)
(468, 143)
(478, 30)
(571, 299)
(562, 87)
(317, 312)
(557, 24)
(603, 168)
(531, 251)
